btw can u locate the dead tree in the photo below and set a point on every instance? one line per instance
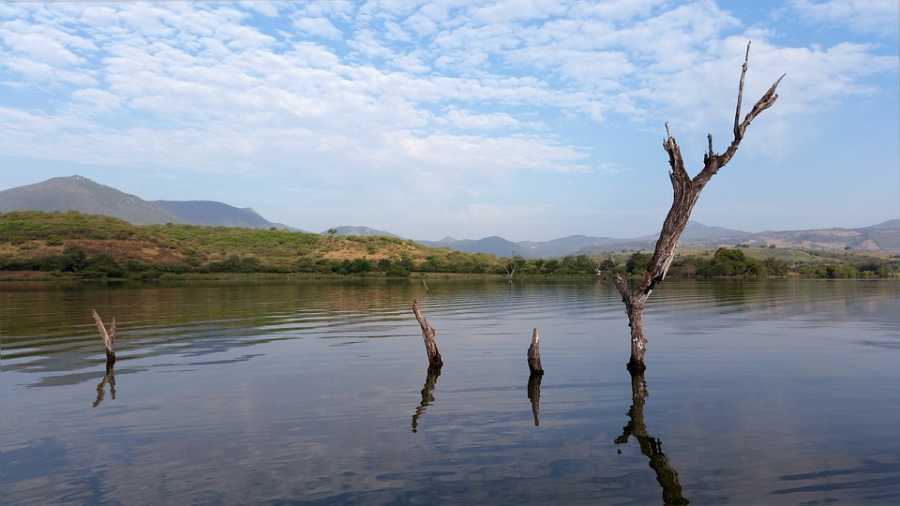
(534, 354)
(686, 192)
(510, 271)
(428, 334)
(107, 335)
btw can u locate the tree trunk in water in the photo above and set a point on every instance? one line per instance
(638, 341)
(428, 335)
(108, 336)
(534, 395)
(534, 354)
(686, 192)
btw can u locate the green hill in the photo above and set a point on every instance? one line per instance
(74, 242)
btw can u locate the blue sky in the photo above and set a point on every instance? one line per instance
(529, 119)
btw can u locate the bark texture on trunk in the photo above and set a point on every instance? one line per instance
(686, 192)
(107, 335)
(534, 395)
(428, 335)
(651, 447)
(534, 354)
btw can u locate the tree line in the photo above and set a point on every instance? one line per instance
(724, 263)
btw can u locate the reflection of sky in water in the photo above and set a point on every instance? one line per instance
(761, 393)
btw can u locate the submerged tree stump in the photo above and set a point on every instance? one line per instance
(534, 354)
(107, 335)
(428, 335)
(534, 395)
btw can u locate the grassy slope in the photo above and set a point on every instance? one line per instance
(31, 234)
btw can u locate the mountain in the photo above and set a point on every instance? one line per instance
(881, 237)
(205, 212)
(80, 194)
(359, 231)
(493, 245)
(563, 246)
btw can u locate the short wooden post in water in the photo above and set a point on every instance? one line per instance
(428, 334)
(534, 395)
(534, 354)
(107, 335)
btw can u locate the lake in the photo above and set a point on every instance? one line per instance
(777, 392)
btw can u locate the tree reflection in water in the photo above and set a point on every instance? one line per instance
(666, 475)
(427, 395)
(108, 378)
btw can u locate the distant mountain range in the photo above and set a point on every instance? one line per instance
(80, 194)
(882, 237)
(359, 231)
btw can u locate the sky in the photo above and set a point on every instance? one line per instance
(529, 119)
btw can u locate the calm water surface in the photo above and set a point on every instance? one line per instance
(317, 393)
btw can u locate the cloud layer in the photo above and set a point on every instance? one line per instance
(437, 94)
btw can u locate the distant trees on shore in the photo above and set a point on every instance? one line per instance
(723, 263)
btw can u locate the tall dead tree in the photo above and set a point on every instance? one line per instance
(107, 335)
(686, 192)
(428, 335)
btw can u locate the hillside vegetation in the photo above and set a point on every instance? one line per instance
(90, 246)
(104, 246)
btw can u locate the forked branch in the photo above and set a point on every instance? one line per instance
(686, 191)
(107, 335)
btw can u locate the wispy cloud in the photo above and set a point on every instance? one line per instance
(462, 88)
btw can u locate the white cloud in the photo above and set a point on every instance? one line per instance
(320, 27)
(199, 85)
(866, 16)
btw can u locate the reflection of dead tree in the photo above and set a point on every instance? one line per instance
(534, 395)
(108, 336)
(427, 395)
(108, 378)
(428, 335)
(666, 475)
(686, 192)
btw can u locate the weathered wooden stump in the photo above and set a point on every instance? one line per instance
(428, 335)
(534, 395)
(108, 336)
(534, 354)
